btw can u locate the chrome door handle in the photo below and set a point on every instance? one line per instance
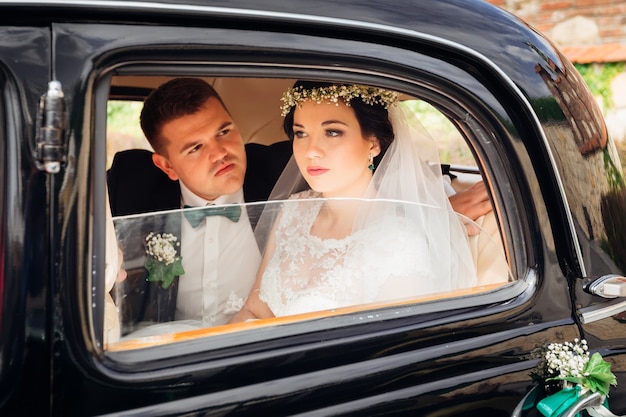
(608, 286)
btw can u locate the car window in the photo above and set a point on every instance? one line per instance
(145, 250)
(365, 270)
(123, 130)
(453, 148)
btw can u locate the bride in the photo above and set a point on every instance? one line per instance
(373, 222)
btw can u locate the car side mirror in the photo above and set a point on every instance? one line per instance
(607, 286)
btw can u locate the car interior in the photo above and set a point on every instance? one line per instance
(254, 103)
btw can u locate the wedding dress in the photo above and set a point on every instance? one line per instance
(406, 241)
(307, 273)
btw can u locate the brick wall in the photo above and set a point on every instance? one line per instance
(543, 15)
(587, 32)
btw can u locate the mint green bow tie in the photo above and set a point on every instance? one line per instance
(195, 217)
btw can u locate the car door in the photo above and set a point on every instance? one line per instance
(26, 247)
(425, 357)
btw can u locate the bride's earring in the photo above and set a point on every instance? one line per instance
(371, 165)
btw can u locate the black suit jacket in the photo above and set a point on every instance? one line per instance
(136, 185)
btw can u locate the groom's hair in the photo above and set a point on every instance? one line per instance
(176, 98)
(373, 118)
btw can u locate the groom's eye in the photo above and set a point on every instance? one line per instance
(224, 132)
(195, 149)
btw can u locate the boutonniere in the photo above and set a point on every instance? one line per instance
(569, 367)
(162, 260)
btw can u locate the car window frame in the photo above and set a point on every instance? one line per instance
(354, 73)
(320, 323)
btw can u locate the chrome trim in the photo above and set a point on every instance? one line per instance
(589, 315)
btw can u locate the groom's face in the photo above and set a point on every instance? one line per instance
(205, 151)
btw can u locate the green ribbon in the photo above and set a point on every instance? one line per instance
(556, 404)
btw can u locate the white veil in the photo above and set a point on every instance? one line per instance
(410, 199)
(410, 171)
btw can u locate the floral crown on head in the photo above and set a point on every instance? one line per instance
(332, 94)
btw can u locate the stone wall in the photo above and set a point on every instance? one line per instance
(573, 22)
(586, 31)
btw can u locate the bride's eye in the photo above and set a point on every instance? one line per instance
(334, 133)
(299, 134)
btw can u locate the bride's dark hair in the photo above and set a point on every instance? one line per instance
(373, 118)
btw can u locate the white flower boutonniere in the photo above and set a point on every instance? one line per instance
(578, 373)
(162, 260)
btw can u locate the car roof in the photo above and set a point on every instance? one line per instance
(487, 41)
(471, 25)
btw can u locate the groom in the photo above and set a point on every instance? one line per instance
(199, 160)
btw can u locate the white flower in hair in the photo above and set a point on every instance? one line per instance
(331, 94)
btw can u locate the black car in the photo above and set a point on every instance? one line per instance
(508, 108)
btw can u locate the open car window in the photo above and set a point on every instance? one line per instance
(156, 294)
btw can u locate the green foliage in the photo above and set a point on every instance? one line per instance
(159, 271)
(123, 117)
(452, 146)
(598, 375)
(598, 78)
(614, 176)
(123, 129)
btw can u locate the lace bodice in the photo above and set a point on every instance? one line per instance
(306, 273)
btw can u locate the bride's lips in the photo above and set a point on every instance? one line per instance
(315, 170)
(225, 169)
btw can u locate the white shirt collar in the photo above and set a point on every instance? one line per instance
(188, 198)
